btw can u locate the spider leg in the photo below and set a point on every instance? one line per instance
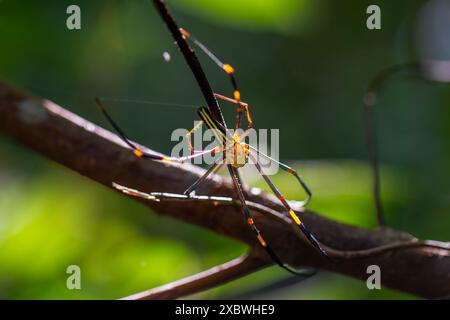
(227, 68)
(289, 170)
(240, 105)
(138, 152)
(250, 222)
(188, 137)
(292, 214)
(234, 173)
(213, 169)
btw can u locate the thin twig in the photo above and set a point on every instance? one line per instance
(369, 101)
(208, 279)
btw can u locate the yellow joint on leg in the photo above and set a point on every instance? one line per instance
(138, 153)
(165, 159)
(261, 240)
(237, 94)
(249, 118)
(246, 149)
(295, 217)
(228, 69)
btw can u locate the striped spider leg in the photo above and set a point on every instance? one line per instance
(142, 154)
(241, 152)
(235, 157)
(238, 161)
(229, 70)
(312, 239)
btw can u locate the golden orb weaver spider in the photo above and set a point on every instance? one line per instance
(236, 155)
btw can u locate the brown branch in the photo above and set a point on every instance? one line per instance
(332, 253)
(208, 279)
(98, 154)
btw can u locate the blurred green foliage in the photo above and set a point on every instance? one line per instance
(302, 65)
(267, 15)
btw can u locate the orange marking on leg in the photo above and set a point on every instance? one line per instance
(228, 69)
(246, 149)
(261, 240)
(249, 119)
(237, 95)
(291, 171)
(138, 153)
(250, 221)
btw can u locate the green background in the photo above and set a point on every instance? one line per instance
(303, 66)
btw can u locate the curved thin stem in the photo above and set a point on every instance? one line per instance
(372, 145)
(210, 278)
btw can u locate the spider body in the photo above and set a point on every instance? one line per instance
(237, 155)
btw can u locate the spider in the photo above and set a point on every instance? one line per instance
(236, 154)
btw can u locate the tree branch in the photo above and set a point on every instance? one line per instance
(100, 155)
